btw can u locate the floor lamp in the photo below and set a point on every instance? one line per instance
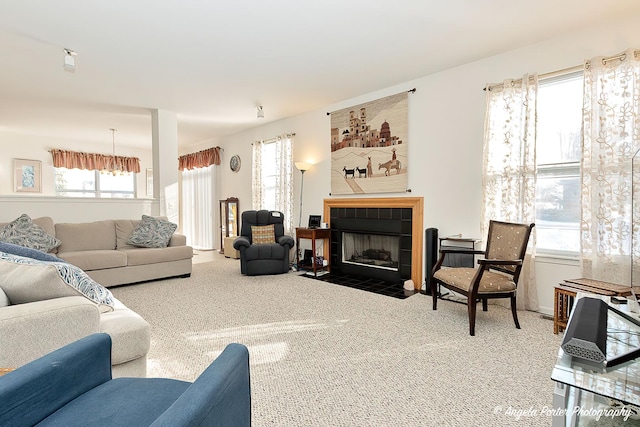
(302, 167)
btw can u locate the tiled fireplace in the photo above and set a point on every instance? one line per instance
(376, 237)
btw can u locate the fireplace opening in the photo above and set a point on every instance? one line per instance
(371, 250)
(396, 220)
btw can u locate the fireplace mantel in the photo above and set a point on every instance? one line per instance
(417, 208)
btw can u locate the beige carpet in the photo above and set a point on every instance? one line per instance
(327, 355)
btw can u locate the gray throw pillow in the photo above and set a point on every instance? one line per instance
(152, 232)
(22, 231)
(25, 280)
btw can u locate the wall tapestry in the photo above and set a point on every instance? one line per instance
(369, 147)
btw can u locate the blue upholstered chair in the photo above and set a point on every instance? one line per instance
(268, 251)
(72, 386)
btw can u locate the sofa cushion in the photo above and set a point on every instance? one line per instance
(27, 280)
(130, 333)
(24, 232)
(152, 232)
(86, 236)
(178, 240)
(124, 228)
(95, 260)
(263, 234)
(4, 300)
(140, 256)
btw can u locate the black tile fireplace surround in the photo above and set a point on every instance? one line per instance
(383, 221)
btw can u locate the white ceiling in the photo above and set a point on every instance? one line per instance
(213, 62)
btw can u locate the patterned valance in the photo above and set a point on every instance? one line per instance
(201, 159)
(93, 161)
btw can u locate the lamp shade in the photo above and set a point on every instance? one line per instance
(303, 166)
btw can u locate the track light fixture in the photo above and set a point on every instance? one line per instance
(260, 112)
(69, 60)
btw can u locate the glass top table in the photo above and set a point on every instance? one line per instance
(621, 381)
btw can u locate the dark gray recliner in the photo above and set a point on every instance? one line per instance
(256, 259)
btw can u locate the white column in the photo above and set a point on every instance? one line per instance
(164, 135)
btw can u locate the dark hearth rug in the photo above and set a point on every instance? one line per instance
(395, 290)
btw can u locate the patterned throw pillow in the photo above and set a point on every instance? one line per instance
(27, 280)
(152, 233)
(23, 232)
(263, 234)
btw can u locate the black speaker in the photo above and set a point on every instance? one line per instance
(586, 335)
(306, 260)
(431, 255)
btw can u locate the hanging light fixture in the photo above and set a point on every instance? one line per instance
(260, 112)
(112, 166)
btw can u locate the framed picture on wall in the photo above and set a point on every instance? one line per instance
(27, 176)
(149, 182)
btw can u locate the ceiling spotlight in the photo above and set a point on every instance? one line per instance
(260, 112)
(69, 60)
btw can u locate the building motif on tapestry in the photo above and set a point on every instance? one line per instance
(368, 147)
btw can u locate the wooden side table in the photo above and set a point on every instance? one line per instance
(313, 234)
(565, 293)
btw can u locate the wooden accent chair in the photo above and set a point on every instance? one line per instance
(497, 275)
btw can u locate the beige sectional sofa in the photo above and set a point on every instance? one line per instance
(31, 330)
(100, 248)
(45, 315)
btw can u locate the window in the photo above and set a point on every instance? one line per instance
(272, 183)
(269, 176)
(86, 183)
(558, 153)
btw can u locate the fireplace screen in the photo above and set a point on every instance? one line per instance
(373, 250)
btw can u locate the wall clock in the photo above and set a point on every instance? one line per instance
(234, 163)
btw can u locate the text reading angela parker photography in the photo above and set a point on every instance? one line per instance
(622, 413)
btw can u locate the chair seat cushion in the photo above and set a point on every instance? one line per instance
(273, 251)
(461, 278)
(120, 402)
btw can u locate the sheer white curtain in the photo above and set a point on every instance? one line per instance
(272, 177)
(509, 166)
(199, 204)
(611, 125)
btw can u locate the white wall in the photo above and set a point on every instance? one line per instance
(66, 209)
(35, 147)
(446, 122)
(446, 125)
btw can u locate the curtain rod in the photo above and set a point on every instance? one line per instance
(542, 76)
(274, 139)
(573, 69)
(621, 57)
(408, 91)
